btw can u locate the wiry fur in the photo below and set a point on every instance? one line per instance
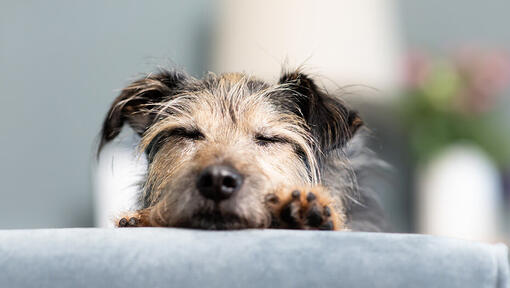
(281, 137)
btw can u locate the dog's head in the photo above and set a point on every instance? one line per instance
(217, 146)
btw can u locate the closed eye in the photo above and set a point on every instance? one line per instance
(264, 140)
(162, 138)
(193, 134)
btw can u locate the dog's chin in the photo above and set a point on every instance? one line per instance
(216, 220)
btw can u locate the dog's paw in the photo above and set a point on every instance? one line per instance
(128, 222)
(133, 219)
(304, 208)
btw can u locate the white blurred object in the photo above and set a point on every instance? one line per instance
(348, 42)
(116, 178)
(459, 195)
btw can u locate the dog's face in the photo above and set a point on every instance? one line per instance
(217, 147)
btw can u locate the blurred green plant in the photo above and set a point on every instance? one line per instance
(457, 99)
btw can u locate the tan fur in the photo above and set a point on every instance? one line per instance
(229, 117)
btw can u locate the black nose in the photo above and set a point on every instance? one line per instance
(218, 182)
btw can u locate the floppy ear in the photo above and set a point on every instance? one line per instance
(331, 122)
(135, 102)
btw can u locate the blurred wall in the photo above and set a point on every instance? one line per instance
(61, 65)
(442, 25)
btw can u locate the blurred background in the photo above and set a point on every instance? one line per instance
(430, 77)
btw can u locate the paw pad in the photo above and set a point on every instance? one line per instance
(297, 212)
(132, 222)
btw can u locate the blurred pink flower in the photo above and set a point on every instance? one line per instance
(416, 69)
(486, 74)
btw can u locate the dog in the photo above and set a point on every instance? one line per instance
(231, 151)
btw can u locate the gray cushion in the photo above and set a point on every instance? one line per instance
(155, 257)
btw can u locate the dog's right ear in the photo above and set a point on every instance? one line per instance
(135, 104)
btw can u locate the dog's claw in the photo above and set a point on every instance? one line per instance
(132, 222)
(123, 222)
(327, 211)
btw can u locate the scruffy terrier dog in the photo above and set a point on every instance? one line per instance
(233, 152)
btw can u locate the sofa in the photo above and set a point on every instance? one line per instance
(167, 257)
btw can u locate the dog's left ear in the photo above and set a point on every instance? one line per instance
(331, 122)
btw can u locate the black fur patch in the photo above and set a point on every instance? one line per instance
(331, 122)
